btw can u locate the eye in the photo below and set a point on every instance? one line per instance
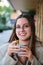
(17, 26)
(26, 25)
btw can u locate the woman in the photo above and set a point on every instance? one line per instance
(23, 47)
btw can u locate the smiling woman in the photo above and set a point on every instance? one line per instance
(23, 47)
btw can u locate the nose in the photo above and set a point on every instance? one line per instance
(22, 29)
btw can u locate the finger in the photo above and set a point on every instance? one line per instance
(13, 43)
(25, 48)
(14, 47)
(17, 47)
(22, 53)
(14, 50)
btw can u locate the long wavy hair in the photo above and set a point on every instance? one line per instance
(32, 25)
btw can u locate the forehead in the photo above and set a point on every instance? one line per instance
(22, 21)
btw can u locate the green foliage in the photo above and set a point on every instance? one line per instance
(0, 18)
(7, 9)
(4, 15)
(1, 9)
(4, 27)
(3, 20)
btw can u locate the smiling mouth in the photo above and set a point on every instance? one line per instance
(22, 34)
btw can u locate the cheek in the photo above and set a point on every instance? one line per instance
(29, 32)
(17, 32)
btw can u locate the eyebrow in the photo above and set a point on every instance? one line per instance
(23, 24)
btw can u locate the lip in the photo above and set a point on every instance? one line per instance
(22, 36)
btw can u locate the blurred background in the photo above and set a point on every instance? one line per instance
(11, 9)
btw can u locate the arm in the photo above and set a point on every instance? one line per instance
(32, 59)
(35, 62)
(5, 59)
(39, 61)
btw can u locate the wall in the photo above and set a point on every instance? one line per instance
(39, 23)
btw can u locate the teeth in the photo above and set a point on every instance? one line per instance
(22, 34)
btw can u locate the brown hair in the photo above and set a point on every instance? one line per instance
(32, 25)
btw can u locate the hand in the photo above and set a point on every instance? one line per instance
(12, 48)
(27, 52)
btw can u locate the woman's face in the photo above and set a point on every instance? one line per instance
(23, 29)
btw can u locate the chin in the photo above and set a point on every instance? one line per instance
(23, 39)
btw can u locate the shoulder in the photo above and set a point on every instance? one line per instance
(39, 48)
(3, 48)
(39, 51)
(39, 44)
